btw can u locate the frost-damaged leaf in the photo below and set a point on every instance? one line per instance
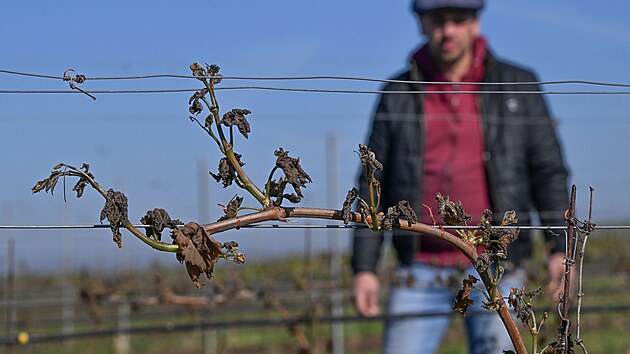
(276, 190)
(484, 260)
(158, 219)
(347, 204)
(393, 214)
(199, 251)
(195, 106)
(231, 248)
(115, 210)
(197, 69)
(47, 184)
(369, 161)
(452, 213)
(83, 182)
(500, 239)
(227, 174)
(463, 300)
(232, 208)
(213, 70)
(292, 170)
(520, 301)
(237, 117)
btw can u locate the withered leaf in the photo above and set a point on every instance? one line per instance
(463, 300)
(82, 183)
(158, 219)
(231, 246)
(452, 213)
(393, 214)
(500, 239)
(347, 204)
(195, 106)
(292, 170)
(213, 70)
(276, 190)
(237, 117)
(492, 305)
(509, 218)
(227, 174)
(47, 184)
(369, 161)
(209, 121)
(197, 69)
(199, 251)
(484, 260)
(115, 210)
(232, 208)
(520, 301)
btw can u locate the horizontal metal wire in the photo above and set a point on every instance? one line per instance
(323, 77)
(297, 89)
(305, 226)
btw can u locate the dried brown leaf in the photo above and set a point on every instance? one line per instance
(393, 214)
(83, 182)
(213, 70)
(369, 161)
(347, 204)
(292, 170)
(47, 184)
(232, 208)
(520, 301)
(158, 219)
(452, 213)
(199, 251)
(237, 117)
(115, 211)
(276, 190)
(462, 301)
(197, 69)
(227, 174)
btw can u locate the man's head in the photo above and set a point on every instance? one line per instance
(450, 26)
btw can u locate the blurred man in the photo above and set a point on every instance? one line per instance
(488, 150)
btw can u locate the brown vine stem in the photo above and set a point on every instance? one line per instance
(580, 294)
(566, 323)
(282, 213)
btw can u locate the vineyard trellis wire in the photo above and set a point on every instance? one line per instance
(83, 78)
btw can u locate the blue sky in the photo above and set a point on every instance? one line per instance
(145, 145)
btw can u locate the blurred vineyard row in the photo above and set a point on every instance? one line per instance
(279, 306)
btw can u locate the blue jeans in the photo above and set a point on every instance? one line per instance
(429, 294)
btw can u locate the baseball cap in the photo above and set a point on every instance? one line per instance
(425, 6)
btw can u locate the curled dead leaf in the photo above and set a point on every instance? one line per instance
(199, 251)
(347, 204)
(232, 208)
(226, 174)
(158, 219)
(369, 161)
(393, 214)
(452, 213)
(462, 300)
(237, 117)
(115, 211)
(292, 170)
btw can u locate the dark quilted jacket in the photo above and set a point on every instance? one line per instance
(523, 159)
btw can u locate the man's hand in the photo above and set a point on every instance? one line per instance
(556, 269)
(366, 294)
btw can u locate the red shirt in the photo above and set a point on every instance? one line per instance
(453, 151)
